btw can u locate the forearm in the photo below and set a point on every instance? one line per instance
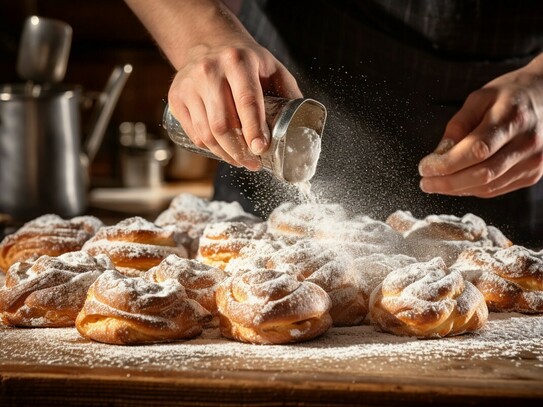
(181, 27)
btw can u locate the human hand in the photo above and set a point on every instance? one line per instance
(497, 137)
(217, 96)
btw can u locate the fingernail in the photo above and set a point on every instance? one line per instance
(444, 145)
(424, 186)
(259, 145)
(426, 169)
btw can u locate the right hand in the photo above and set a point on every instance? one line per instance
(218, 97)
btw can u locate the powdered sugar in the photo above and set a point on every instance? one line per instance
(302, 152)
(513, 341)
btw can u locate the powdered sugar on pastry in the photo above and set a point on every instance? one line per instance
(427, 300)
(135, 245)
(47, 235)
(123, 310)
(51, 291)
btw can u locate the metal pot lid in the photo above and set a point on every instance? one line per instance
(24, 91)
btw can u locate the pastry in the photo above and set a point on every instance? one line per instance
(360, 236)
(372, 270)
(189, 215)
(271, 307)
(51, 291)
(199, 280)
(47, 235)
(445, 236)
(333, 272)
(510, 279)
(135, 245)
(427, 300)
(300, 221)
(124, 310)
(255, 255)
(222, 242)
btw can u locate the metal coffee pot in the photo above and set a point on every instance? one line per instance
(44, 158)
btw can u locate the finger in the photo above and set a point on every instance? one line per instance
(202, 131)
(244, 82)
(225, 125)
(284, 84)
(525, 173)
(483, 142)
(470, 115)
(461, 124)
(517, 150)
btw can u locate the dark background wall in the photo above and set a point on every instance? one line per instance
(105, 33)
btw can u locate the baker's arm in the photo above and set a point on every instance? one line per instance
(222, 73)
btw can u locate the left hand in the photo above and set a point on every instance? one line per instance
(497, 136)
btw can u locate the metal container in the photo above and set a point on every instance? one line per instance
(281, 114)
(142, 158)
(43, 166)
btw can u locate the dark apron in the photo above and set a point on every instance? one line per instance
(388, 103)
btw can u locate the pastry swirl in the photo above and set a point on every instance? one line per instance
(199, 280)
(510, 279)
(135, 245)
(51, 291)
(189, 215)
(222, 242)
(427, 300)
(299, 221)
(46, 235)
(124, 310)
(445, 236)
(270, 307)
(333, 272)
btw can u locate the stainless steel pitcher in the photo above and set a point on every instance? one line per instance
(43, 162)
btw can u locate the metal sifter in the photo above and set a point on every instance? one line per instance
(282, 115)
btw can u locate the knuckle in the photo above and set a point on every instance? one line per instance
(207, 67)
(538, 160)
(247, 100)
(486, 175)
(534, 142)
(234, 55)
(198, 142)
(481, 150)
(456, 127)
(219, 125)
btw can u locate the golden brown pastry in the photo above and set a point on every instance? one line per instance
(270, 307)
(124, 310)
(445, 236)
(360, 236)
(372, 270)
(427, 300)
(189, 215)
(47, 235)
(200, 280)
(510, 279)
(51, 291)
(254, 256)
(333, 272)
(222, 242)
(300, 221)
(135, 245)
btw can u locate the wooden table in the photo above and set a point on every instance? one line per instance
(347, 366)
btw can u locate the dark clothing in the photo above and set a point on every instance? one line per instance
(392, 74)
